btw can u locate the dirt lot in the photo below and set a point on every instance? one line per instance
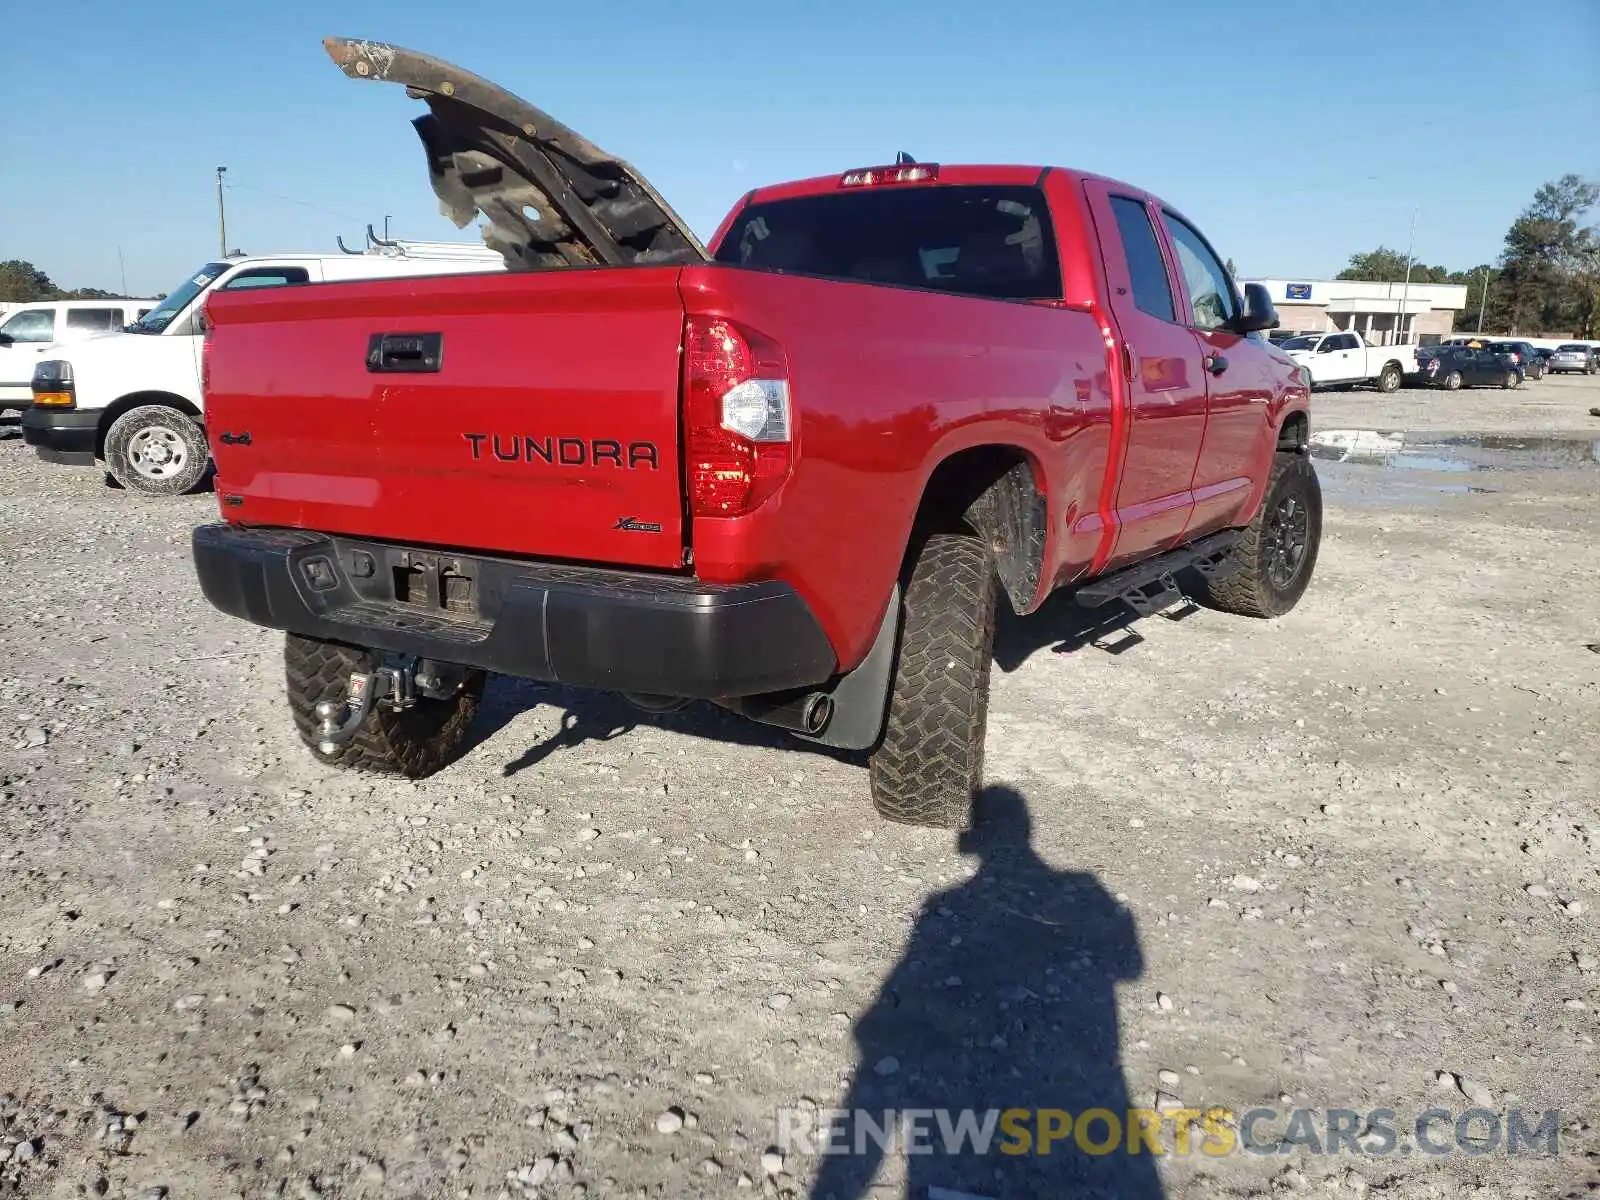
(1342, 861)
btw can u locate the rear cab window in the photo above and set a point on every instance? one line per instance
(1147, 270)
(989, 241)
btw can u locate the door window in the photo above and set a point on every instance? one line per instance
(1210, 293)
(256, 277)
(98, 320)
(30, 325)
(1147, 270)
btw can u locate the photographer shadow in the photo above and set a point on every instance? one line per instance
(1004, 999)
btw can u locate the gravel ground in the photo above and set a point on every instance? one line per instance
(1341, 861)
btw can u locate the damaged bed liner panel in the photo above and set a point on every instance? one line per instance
(551, 198)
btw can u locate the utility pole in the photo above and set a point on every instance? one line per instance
(222, 215)
(386, 227)
(1405, 290)
(123, 268)
(1483, 301)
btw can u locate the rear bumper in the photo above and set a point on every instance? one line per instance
(61, 435)
(618, 631)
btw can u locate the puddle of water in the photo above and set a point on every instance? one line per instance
(1361, 485)
(1454, 452)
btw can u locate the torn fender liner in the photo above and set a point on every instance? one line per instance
(551, 198)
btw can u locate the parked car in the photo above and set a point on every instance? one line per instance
(1574, 356)
(30, 329)
(1343, 359)
(1452, 367)
(134, 399)
(649, 475)
(1524, 355)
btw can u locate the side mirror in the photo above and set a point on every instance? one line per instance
(5, 341)
(1258, 311)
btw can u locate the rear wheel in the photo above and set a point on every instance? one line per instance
(1272, 563)
(1452, 381)
(929, 763)
(416, 742)
(1511, 380)
(1389, 380)
(156, 450)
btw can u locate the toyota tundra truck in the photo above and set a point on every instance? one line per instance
(790, 472)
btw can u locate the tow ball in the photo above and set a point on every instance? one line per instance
(395, 688)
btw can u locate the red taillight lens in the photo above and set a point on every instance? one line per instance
(737, 421)
(204, 321)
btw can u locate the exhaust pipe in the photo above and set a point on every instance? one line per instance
(805, 713)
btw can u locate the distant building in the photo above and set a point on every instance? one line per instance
(1370, 308)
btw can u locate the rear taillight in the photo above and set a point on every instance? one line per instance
(203, 319)
(738, 428)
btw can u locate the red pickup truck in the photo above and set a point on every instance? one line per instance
(788, 472)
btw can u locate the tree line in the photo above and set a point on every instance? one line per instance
(1547, 277)
(23, 281)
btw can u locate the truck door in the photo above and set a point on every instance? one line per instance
(1164, 391)
(1239, 437)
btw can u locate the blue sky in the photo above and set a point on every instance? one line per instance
(1294, 137)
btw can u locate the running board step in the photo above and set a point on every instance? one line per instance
(1148, 587)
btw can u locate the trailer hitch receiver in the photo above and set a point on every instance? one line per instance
(339, 721)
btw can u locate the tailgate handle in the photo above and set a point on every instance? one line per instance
(413, 352)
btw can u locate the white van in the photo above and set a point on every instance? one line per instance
(133, 399)
(30, 327)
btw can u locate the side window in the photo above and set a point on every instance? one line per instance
(1152, 293)
(98, 320)
(267, 277)
(1210, 293)
(31, 325)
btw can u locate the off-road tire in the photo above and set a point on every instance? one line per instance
(1390, 378)
(1453, 381)
(414, 743)
(929, 763)
(139, 433)
(1254, 588)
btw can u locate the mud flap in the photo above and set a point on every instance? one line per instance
(861, 697)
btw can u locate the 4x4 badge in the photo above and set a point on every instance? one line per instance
(634, 525)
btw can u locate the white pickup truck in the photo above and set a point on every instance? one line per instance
(134, 401)
(1343, 359)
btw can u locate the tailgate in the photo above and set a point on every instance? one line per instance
(530, 414)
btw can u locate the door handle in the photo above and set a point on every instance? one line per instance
(1216, 364)
(405, 352)
(235, 439)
